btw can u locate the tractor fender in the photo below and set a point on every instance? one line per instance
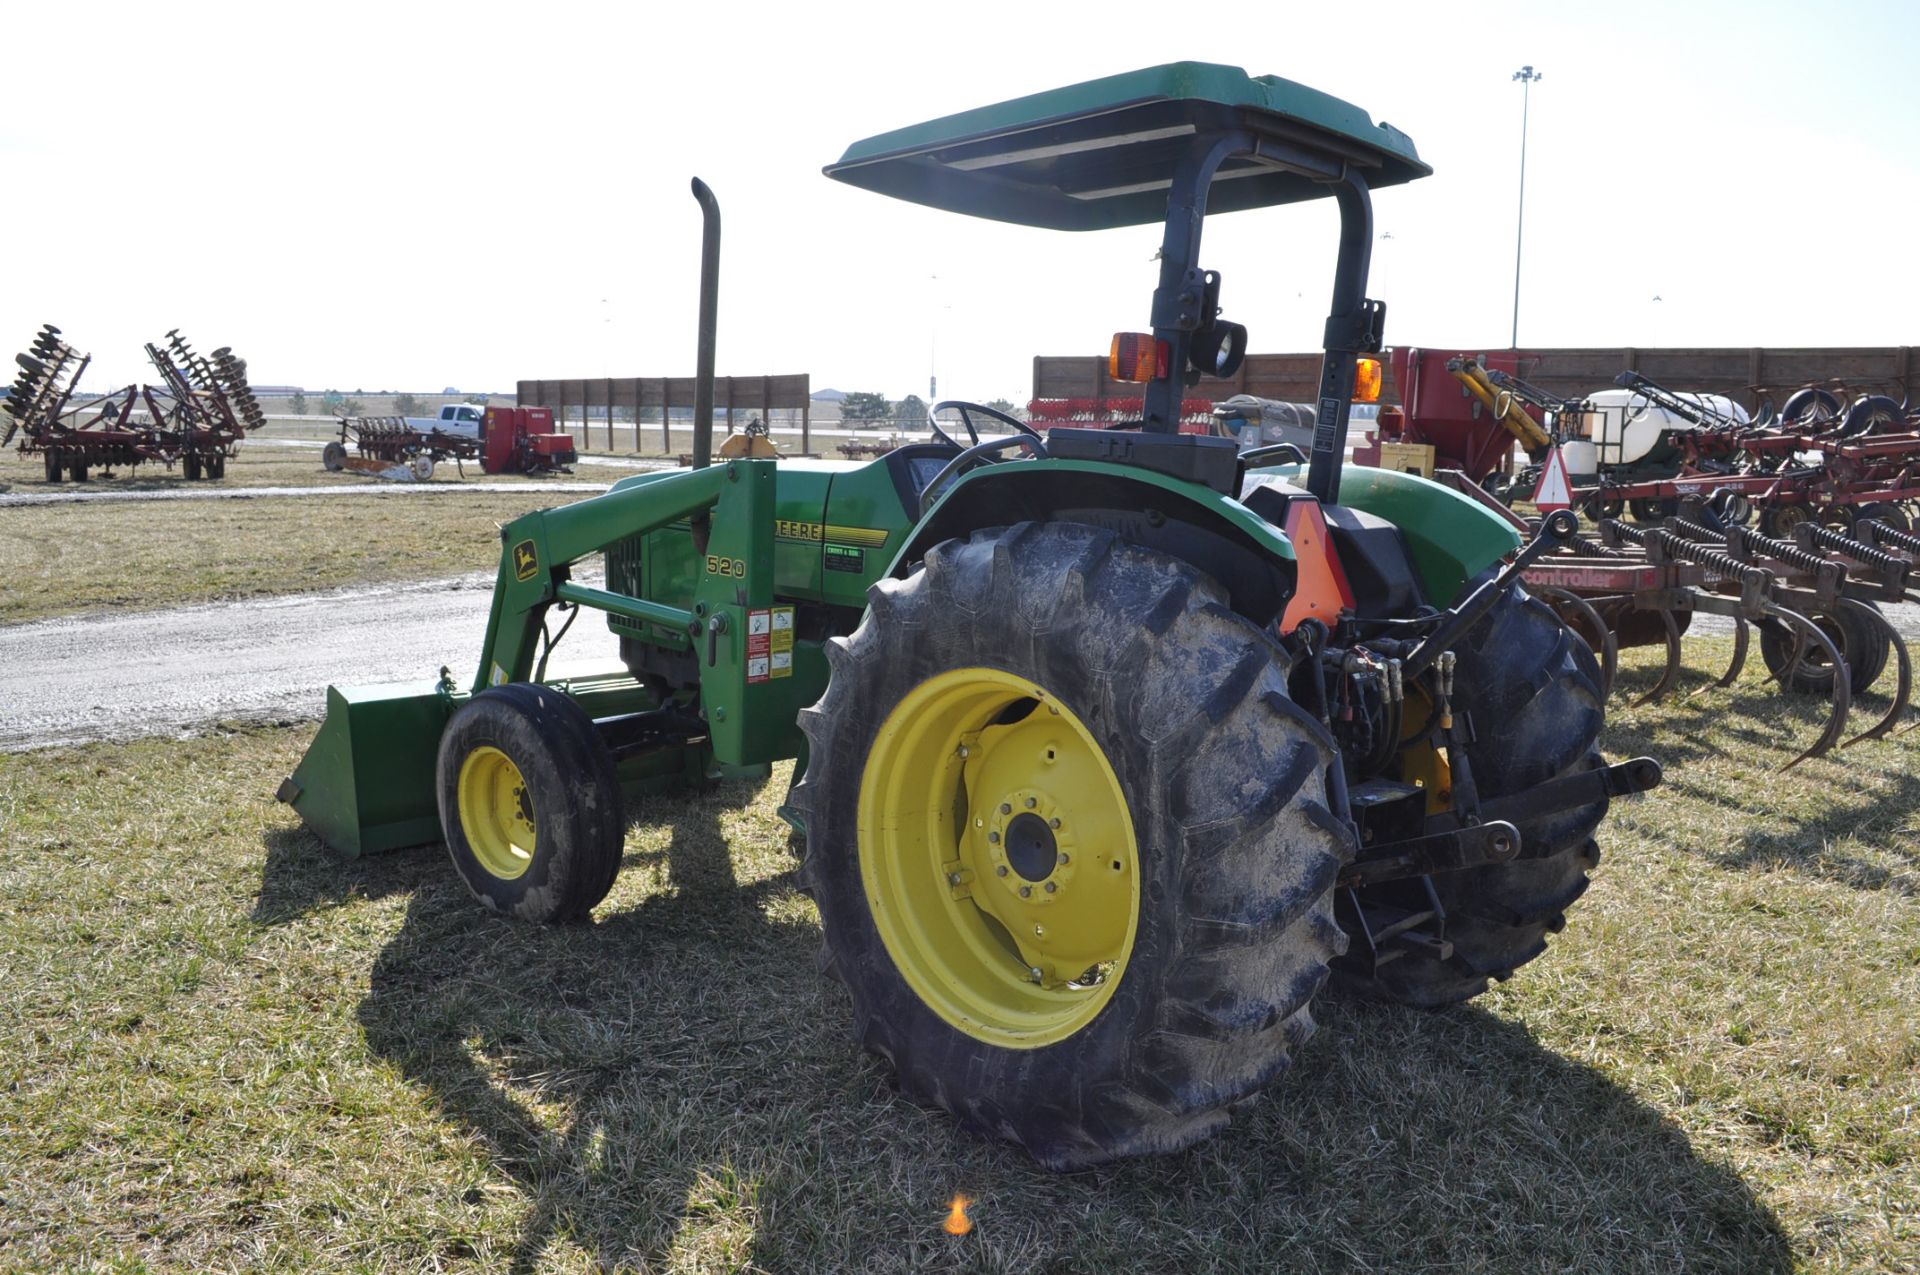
(1251, 557)
(1451, 537)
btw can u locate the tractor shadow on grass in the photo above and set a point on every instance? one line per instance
(675, 1085)
(301, 875)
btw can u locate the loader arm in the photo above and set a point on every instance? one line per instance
(1505, 407)
(736, 577)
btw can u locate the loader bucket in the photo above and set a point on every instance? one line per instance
(367, 781)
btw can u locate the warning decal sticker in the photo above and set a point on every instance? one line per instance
(769, 644)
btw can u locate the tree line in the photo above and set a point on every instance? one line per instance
(867, 408)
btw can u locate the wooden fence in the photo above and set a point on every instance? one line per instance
(667, 399)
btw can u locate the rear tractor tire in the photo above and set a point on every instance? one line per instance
(1533, 690)
(529, 803)
(1070, 843)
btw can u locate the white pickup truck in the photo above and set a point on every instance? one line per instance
(455, 418)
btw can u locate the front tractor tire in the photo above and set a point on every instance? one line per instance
(529, 803)
(1532, 688)
(1070, 843)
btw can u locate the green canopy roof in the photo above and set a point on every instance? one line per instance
(1101, 154)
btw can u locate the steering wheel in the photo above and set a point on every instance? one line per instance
(978, 454)
(966, 411)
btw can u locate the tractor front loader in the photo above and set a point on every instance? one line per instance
(1112, 745)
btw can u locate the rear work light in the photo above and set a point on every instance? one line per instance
(1135, 357)
(1367, 380)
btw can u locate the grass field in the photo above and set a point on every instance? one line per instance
(225, 1049)
(71, 558)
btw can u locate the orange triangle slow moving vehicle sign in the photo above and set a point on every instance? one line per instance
(1554, 491)
(1321, 591)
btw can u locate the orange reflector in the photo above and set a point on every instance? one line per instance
(1321, 591)
(1367, 380)
(1136, 357)
(958, 1223)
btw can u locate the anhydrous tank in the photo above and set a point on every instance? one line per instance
(1629, 427)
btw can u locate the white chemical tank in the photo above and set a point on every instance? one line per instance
(1583, 459)
(1626, 427)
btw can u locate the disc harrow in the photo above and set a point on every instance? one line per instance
(196, 415)
(1814, 598)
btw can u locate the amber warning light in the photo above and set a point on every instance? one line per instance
(1366, 380)
(958, 1223)
(1137, 357)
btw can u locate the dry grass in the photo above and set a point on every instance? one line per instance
(65, 559)
(224, 1049)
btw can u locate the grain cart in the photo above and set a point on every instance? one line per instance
(1111, 745)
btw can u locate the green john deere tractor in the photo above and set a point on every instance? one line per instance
(1113, 745)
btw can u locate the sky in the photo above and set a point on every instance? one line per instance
(410, 196)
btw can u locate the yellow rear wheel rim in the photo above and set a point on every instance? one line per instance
(998, 857)
(496, 813)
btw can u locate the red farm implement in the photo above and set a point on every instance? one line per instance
(1196, 414)
(505, 440)
(1825, 482)
(1815, 600)
(195, 416)
(393, 446)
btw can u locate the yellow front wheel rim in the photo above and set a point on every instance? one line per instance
(998, 857)
(496, 813)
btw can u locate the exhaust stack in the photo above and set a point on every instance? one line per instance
(709, 317)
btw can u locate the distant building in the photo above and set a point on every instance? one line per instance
(829, 396)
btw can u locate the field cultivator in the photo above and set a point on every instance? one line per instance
(394, 447)
(195, 416)
(1815, 600)
(1640, 449)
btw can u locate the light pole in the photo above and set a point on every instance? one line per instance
(933, 348)
(1526, 75)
